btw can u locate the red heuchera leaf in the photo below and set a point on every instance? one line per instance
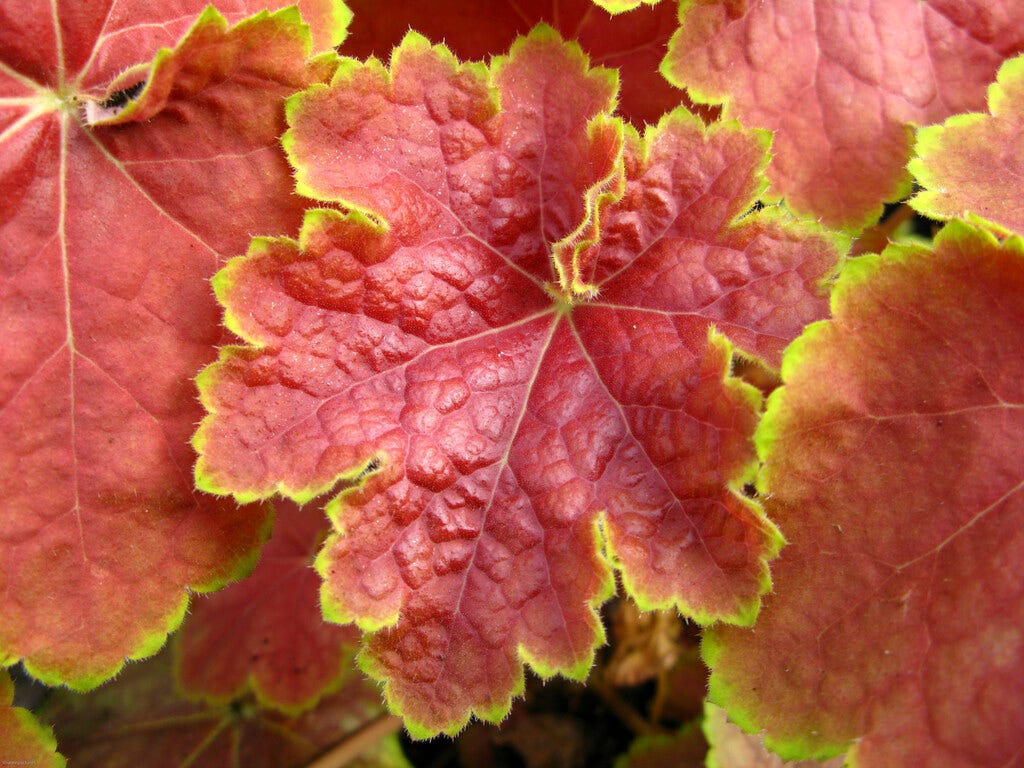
(634, 43)
(842, 84)
(506, 394)
(23, 740)
(94, 43)
(894, 465)
(139, 720)
(972, 165)
(108, 242)
(265, 633)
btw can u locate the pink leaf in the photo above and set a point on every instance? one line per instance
(971, 166)
(110, 233)
(842, 84)
(893, 465)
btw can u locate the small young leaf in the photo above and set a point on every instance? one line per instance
(972, 165)
(23, 740)
(685, 749)
(506, 349)
(842, 84)
(894, 466)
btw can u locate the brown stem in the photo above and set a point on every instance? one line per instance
(349, 748)
(623, 710)
(660, 696)
(874, 239)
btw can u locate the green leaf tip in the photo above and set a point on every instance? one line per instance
(341, 16)
(615, 7)
(1010, 75)
(546, 34)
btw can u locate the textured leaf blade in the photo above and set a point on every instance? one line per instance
(517, 186)
(673, 240)
(633, 43)
(842, 85)
(970, 166)
(265, 634)
(895, 619)
(505, 438)
(108, 245)
(328, 21)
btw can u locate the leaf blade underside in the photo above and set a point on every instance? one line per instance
(893, 465)
(509, 435)
(730, 747)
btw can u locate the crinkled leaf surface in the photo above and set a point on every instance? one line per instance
(841, 84)
(109, 234)
(506, 348)
(972, 165)
(634, 43)
(139, 720)
(23, 740)
(894, 465)
(265, 633)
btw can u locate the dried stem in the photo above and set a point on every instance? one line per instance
(623, 710)
(349, 748)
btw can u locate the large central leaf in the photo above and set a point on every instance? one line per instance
(505, 349)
